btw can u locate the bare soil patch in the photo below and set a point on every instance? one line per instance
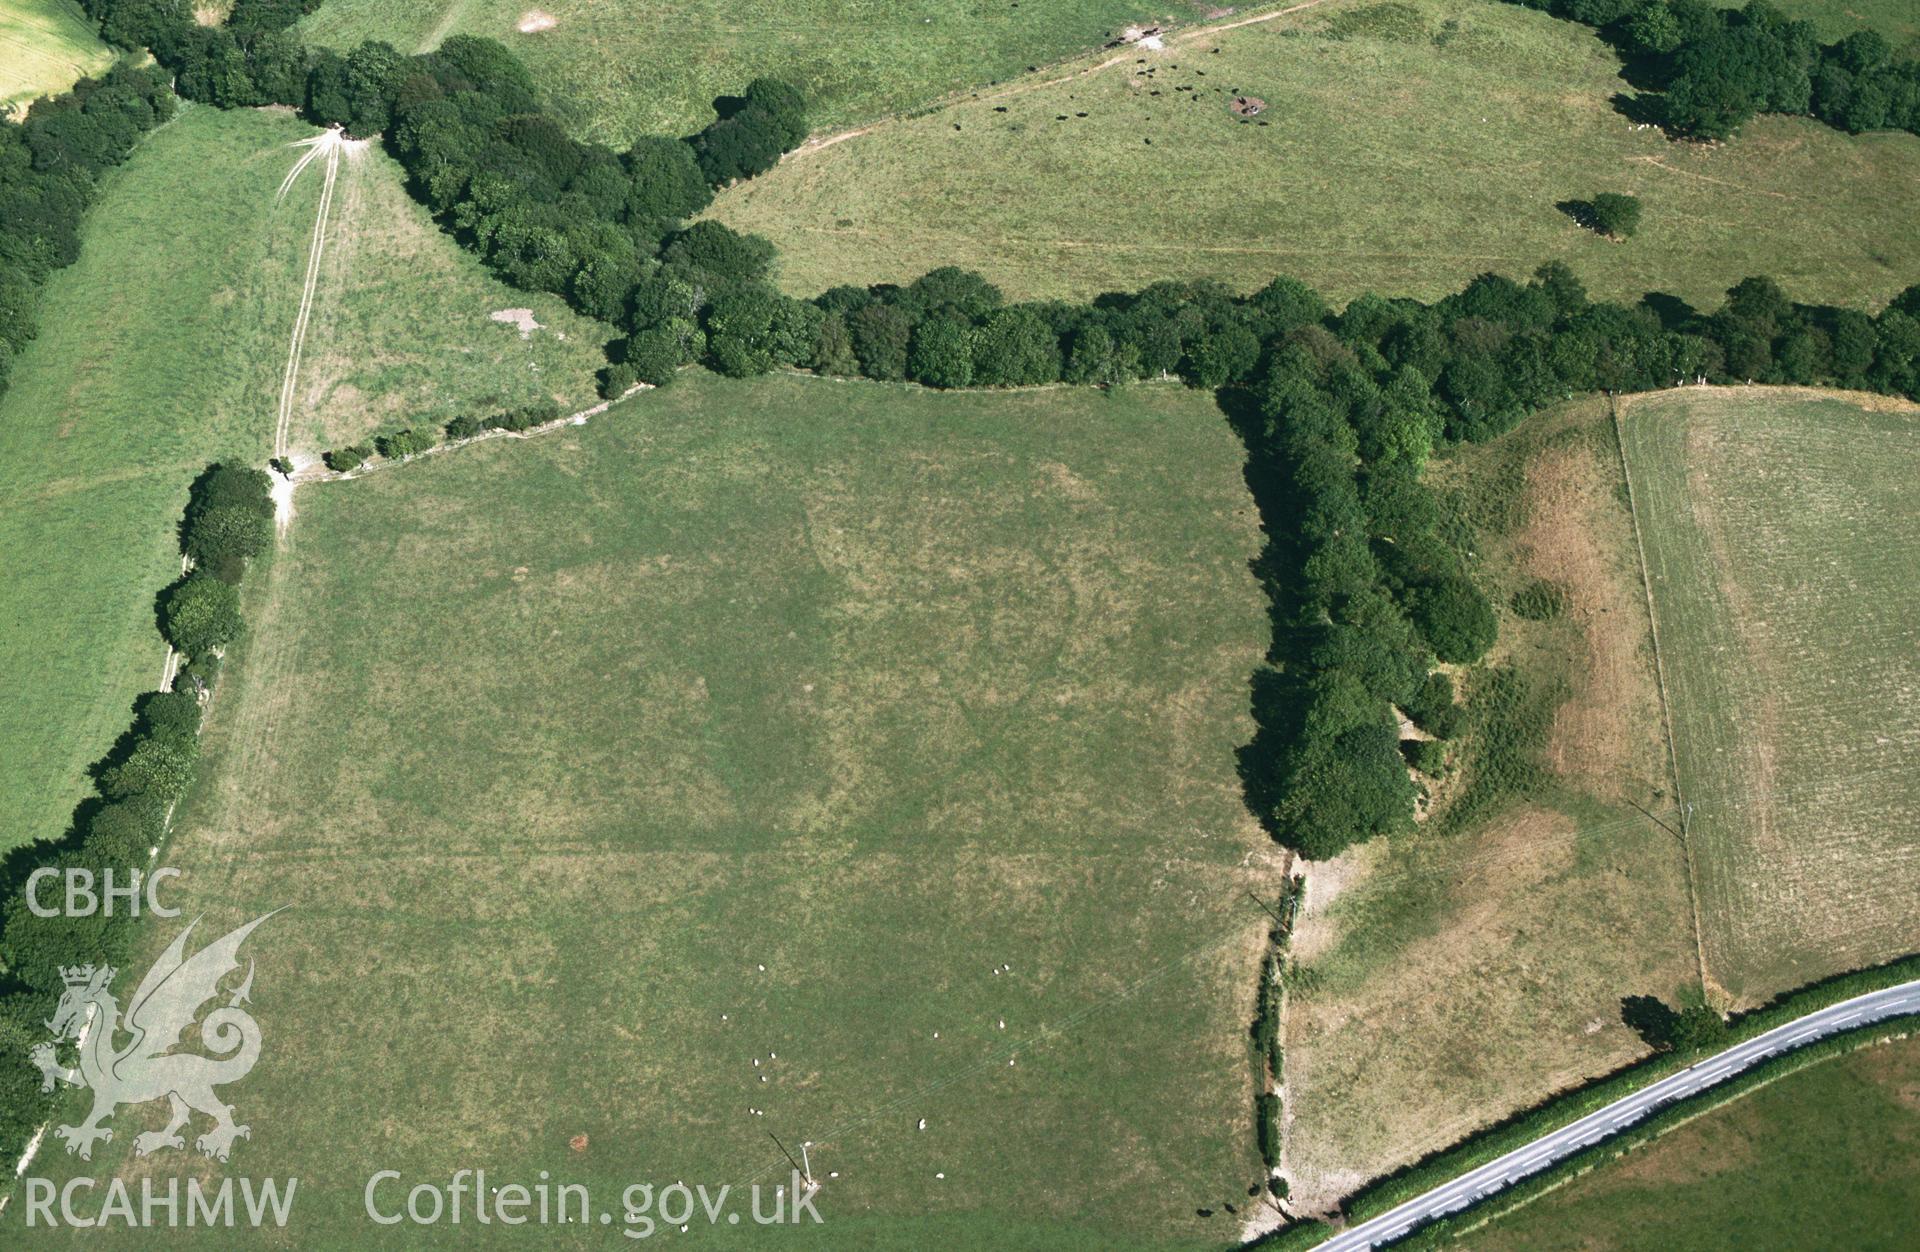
(521, 319)
(1314, 931)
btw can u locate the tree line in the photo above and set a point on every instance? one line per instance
(228, 523)
(1716, 68)
(1340, 410)
(50, 168)
(548, 212)
(1368, 588)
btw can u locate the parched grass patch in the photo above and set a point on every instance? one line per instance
(1450, 978)
(45, 47)
(763, 721)
(1405, 147)
(617, 69)
(1829, 1148)
(161, 349)
(1780, 529)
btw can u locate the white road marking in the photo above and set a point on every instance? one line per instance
(1530, 1158)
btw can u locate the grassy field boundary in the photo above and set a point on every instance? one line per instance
(318, 472)
(1660, 684)
(1566, 1107)
(1658, 1126)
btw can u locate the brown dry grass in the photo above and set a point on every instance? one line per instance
(1608, 737)
(1509, 989)
(1461, 974)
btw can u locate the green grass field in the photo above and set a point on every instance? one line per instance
(1456, 975)
(615, 69)
(1406, 147)
(1780, 528)
(551, 745)
(162, 348)
(45, 45)
(1828, 1157)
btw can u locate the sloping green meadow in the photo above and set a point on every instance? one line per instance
(617, 69)
(1405, 146)
(163, 348)
(45, 46)
(851, 753)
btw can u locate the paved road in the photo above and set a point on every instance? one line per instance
(1480, 1183)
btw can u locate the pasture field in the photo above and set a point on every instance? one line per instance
(615, 69)
(1825, 1157)
(1781, 528)
(153, 359)
(713, 756)
(1406, 146)
(1452, 977)
(45, 47)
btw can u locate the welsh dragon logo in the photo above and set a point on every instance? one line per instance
(145, 1068)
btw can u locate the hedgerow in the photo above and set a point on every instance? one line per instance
(116, 830)
(347, 459)
(1269, 1058)
(405, 443)
(1560, 1110)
